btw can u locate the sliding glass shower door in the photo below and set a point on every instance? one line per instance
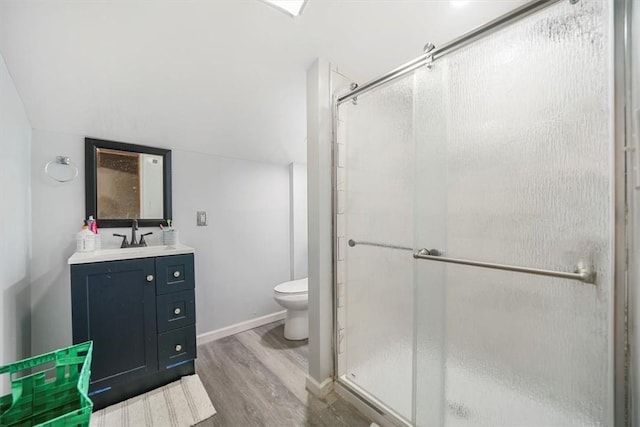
(516, 151)
(500, 152)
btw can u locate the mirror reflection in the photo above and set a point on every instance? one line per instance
(129, 185)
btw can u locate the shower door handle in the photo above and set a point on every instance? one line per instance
(581, 273)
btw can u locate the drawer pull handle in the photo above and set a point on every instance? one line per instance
(176, 274)
(150, 278)
(178, 347)
(177, 311)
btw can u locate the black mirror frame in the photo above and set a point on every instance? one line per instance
(91, 194)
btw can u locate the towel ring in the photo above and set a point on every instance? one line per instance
(61, 160)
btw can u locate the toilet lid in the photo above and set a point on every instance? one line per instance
(294, 287)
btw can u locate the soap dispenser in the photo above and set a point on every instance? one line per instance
(85, 240)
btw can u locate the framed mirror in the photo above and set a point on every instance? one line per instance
(126, 182)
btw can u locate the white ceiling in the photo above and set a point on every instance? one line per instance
(224, 77)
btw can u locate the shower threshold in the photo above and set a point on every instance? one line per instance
(368, 404)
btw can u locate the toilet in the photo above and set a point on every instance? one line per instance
(294, 296)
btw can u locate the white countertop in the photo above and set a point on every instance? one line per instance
(128, 253)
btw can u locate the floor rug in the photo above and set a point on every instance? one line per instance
(182, 403)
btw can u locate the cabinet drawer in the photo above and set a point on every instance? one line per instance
(176, 310)
(176, 347)
(174, 274)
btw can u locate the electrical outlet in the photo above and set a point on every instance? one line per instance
(201, 217)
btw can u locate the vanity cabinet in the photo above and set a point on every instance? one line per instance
(140, 314)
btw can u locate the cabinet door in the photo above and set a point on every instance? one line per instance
(114, 304)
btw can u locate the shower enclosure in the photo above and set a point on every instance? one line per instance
(477, 227)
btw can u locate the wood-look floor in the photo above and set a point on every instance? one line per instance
(257, 378)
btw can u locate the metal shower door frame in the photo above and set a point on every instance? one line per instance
(623, 173)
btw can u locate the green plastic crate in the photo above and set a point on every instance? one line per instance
(49, 390)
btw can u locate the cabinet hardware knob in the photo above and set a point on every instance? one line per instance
(178, 347)
(176, 274)
(150, 278)
(177, 311)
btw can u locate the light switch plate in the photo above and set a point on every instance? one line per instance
(201, 218)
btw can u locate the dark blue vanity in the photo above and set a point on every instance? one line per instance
(138, 307)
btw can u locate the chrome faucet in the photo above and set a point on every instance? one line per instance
(134, 228)
(133, 244)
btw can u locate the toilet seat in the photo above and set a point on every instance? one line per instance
(294, 287)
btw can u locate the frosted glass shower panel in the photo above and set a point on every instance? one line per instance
(430, 206)
(529, 183)
(375, 184)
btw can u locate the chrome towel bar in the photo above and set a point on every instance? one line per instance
(582, 273)
(352, 243)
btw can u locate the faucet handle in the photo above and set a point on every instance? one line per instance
(124, 240)
(142, 241)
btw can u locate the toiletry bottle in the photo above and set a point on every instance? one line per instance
(85, 239)
(93, 226)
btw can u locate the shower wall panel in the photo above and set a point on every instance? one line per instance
(377, 206)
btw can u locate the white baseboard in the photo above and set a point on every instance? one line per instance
(320, 390)
(240, 327)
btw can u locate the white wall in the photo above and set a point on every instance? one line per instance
(319, 134)
(244, 251)
(240, 255)
(15, 225)
(323, 81)
(298, 219)
(58, 210)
